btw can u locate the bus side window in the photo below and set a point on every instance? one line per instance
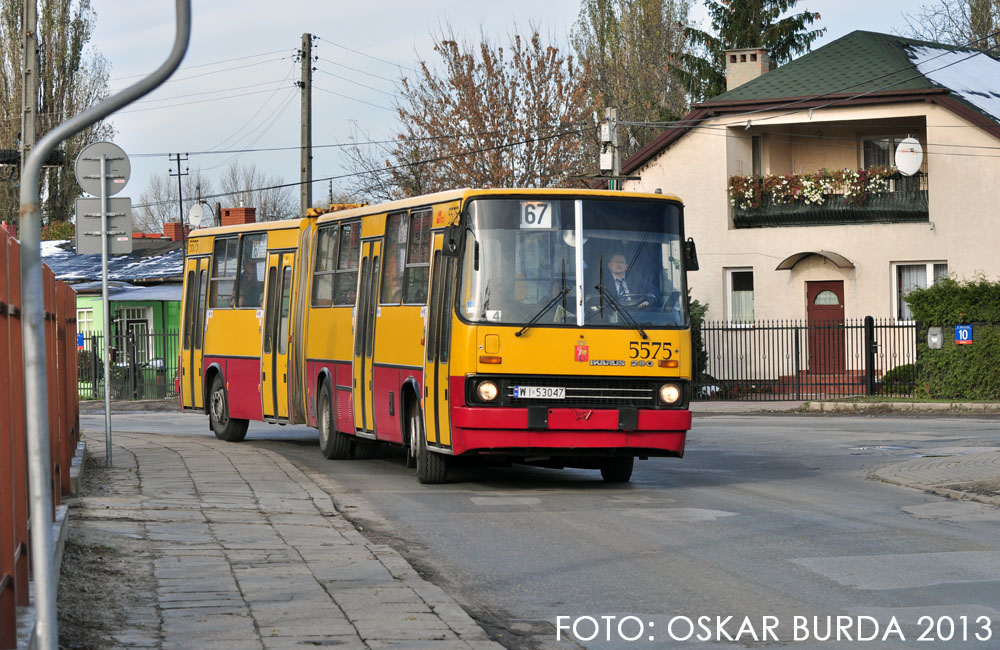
(252, 262)
(223, 273)
(396, 229)
(326, 263)
(345, 283)
(418, 258)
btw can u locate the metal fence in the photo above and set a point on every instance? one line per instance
(143, 365)
(797, 360)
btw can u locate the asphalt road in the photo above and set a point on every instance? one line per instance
(766, 519)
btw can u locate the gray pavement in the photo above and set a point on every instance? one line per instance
(248, 551)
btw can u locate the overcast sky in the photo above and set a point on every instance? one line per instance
(235, 88)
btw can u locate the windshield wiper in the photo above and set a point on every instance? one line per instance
(621, 310)
(544, 310)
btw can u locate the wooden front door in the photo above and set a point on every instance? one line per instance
(825, 313)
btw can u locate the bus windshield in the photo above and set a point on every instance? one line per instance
(597, 262)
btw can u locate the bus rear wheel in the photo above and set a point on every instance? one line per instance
(225, 427)
(617, 469)
(431, 467)
(334, 444)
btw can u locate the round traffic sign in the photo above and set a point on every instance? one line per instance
(117, 168)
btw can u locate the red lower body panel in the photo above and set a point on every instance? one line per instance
(482, 429)
(242, 377)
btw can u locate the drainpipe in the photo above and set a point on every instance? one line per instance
(32, 325)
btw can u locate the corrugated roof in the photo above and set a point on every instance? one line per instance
(162, 262)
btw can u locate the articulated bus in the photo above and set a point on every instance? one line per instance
(546, 327)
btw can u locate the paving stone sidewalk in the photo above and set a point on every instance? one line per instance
(248, 552)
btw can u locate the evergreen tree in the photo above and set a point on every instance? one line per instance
(743, 24)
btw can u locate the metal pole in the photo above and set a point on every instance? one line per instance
(106, 303)
(305, 197)
(33, 328)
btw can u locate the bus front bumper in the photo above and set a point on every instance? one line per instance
(643, 432)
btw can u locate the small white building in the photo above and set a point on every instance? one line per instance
(847, 105)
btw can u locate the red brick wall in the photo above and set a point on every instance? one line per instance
(235, 216)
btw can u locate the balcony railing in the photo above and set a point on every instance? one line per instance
(905, 202)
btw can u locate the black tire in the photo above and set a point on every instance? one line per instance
(410, 452)
(366, 449)
(617, 469)
(225, 427)
(431, 468)
(334, 444)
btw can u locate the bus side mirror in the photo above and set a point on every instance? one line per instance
(690, 255)
(452, 239)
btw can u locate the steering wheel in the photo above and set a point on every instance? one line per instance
(629, 301)
(636, 300)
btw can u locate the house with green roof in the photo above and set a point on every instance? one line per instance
(795, 194)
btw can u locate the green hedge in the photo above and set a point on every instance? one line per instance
(959, 371)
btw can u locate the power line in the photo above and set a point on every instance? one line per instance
(355, 99)
(381, 170)
(364, 72)
(206, 74)
(209, 92)
(200, 101)
(202, 65)
(233, 137)
(358, 83)
(349, 49)
(830, 94)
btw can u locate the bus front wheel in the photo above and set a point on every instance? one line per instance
(225, 427)
(431, 467)
(617, 469)
(334, 444)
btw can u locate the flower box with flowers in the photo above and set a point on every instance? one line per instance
(840, 196)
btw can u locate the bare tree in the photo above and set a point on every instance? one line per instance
(972, 23)
(496, 116)
(157, 204)
(68, 83)
(629, 47)
(245, 185)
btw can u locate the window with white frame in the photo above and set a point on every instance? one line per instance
(914, 275)
(85, 320)
(739, 295)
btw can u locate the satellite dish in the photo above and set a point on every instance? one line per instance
(200, 216)
(909, 156)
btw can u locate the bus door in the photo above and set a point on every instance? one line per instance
(438, 344)
(192, 390)
(274, 357)
(364, 337)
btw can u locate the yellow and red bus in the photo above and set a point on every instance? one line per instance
(547, 327)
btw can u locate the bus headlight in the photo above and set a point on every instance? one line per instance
(486, 391)
(670, 393)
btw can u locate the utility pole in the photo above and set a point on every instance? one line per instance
(180, 197)
(29, 81)
(611, 155)
(306, 59)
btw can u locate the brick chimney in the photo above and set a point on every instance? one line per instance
(172, 230)
(235, 216)
(745, 65)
